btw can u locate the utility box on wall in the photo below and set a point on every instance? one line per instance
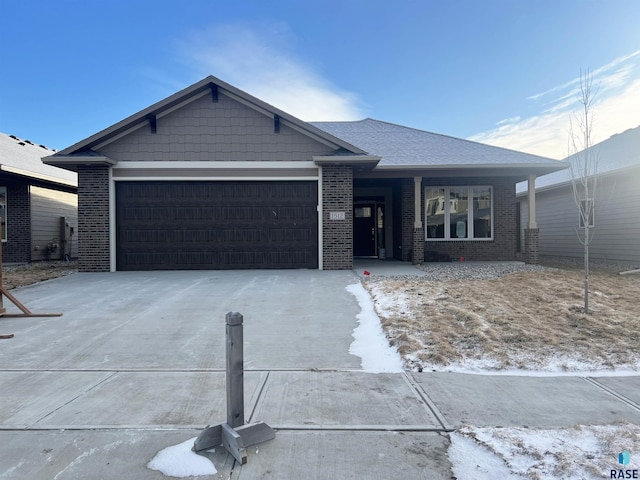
(54, 217)
(66, 238)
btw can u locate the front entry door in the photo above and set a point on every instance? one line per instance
(364, 230)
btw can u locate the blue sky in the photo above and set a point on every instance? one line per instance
(498, 71)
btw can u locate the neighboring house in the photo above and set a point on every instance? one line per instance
(214, 178)
(616, 234)
(38, 204)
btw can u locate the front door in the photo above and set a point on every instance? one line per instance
(364, 230)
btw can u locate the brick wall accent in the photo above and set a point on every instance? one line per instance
(531, 243)
(417, 258)
(337, 235)
(407, 199)
(17, 248)
(93, 218)
(505, 230)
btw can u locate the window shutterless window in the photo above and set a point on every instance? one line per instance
(459, 213)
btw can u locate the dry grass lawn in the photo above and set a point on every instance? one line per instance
(528, 320)
(14, 276)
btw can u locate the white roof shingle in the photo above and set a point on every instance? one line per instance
(23, 157)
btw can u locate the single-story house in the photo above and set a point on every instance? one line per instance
(616, 226)
(38, 204)
(214, 178)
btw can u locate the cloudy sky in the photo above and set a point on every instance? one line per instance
(502, 72)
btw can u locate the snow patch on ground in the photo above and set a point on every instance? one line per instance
(388, 306)
(180, 461)
(555, 367)
(586, 452)
(370, 342)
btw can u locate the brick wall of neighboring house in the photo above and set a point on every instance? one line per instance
(93, 218)
(505, 229)
(337, 235)
(17, 248)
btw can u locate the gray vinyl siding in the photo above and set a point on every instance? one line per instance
(617, 219)
(47, 206)
(225, 130)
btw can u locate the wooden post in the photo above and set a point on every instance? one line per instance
(235, 370)
(5, 293)
(531, 201)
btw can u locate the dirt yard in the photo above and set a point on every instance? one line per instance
(14, 276)
(523, 320)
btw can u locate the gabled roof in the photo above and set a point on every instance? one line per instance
(363, 142)
(22, 157)
(214, 86)
(618, 152)
(401, 146)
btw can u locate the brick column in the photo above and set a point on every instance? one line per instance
(531, 241)
(93, 219)
(407, 205)
(532, 232)
(417, 258)
(337, 234)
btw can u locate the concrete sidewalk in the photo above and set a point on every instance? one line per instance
(136, 365)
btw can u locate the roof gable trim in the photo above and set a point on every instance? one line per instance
(208, 86)
(71, 161)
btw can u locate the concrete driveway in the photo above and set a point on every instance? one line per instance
(296, 319)
(136, 364)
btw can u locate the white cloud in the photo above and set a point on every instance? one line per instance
(616, 108)
(507, 121)
(257, 58)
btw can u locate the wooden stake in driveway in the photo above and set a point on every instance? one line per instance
(234, 435)
(25, 311)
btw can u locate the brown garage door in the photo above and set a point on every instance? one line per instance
(216, 225)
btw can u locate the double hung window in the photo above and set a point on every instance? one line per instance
(459, 213)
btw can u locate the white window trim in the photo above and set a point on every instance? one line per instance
(447, 237)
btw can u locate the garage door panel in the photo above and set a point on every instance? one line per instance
(221, 236)
(185, 214)
(202, 260)
(216, 225)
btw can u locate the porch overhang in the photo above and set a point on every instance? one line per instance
(360, 163)
(520, 172)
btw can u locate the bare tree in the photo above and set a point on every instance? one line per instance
(583, 169)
